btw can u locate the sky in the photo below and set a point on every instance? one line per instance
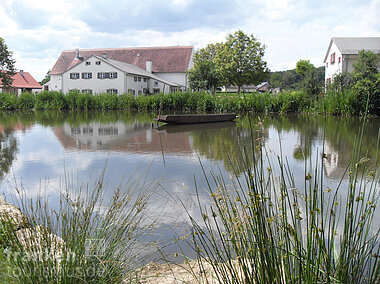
(37, 31)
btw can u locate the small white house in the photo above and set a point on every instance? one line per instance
(122, 70)
(342, 52)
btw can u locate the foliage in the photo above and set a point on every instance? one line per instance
(346, 102)
(240, 60)
(304, 67)
(46, 78)
(204, 76)
(7, 69)
(367, 81)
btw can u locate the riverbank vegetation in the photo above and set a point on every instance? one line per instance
(263, 226)
(346, 101)
(89, 236)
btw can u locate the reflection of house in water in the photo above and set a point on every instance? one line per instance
(125, 137)
(330, 160)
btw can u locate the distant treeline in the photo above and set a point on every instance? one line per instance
(346, 102)
(290, 80)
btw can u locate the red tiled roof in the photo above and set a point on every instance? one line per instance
(26, 81)
(164, 59)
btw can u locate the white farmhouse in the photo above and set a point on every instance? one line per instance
(343, 52)
(122, 70)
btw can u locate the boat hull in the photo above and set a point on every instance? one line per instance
(196, 118)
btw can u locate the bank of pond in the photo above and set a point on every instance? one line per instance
(333, 103)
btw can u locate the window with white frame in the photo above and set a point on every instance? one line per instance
(86, 75)
(135, 79)
(88, 63)
(113, 75)
(156, 90)
(111, 91)
(130, 91)
(74, 75)
(101, 75)
(144, 79)
(139, 79)
(97, 62)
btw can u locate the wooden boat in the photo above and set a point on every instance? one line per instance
(196, 118)
(180, 128)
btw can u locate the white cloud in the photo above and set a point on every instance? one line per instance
(37, 31)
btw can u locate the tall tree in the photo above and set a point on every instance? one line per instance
(240, 60)
(7, 69)
(204, 74)
(367, 82)
(304, 67)
(46, 78)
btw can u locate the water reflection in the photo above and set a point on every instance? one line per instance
(45, 145)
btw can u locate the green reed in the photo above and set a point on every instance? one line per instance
(263, 227)
(100, 235)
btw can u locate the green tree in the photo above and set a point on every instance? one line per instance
(7, 69)
(367, 82)
(276, 80)
(46, 78)
(204, 75)
(367, 65)
(240, 60)
(312, 78)
(304, 67)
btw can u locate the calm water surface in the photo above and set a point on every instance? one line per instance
(39, 149)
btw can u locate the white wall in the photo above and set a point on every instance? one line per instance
(178, 78)
(336, 68)
(55, 83)
(137, 86)
(95, 84)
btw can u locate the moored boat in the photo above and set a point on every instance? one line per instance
(196, 118)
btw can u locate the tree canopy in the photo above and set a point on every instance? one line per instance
(7, 69)
(238, 61)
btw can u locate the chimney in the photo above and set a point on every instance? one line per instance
(148, 66)
(77, 53)
(104, 55)
(22, 73)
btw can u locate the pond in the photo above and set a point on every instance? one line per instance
(40, 149)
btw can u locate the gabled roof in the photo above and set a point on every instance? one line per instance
(263, 84)
(24, 81)
(130, 69)
(352, 45)
(133, 69)
(164, 59)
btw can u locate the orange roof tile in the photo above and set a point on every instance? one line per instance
(164, 59)
(25, 81)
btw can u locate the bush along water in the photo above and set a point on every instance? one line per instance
(263, 227)
(350, 101)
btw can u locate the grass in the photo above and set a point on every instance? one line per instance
(90, 238)
(346, 102)
(263, 227)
